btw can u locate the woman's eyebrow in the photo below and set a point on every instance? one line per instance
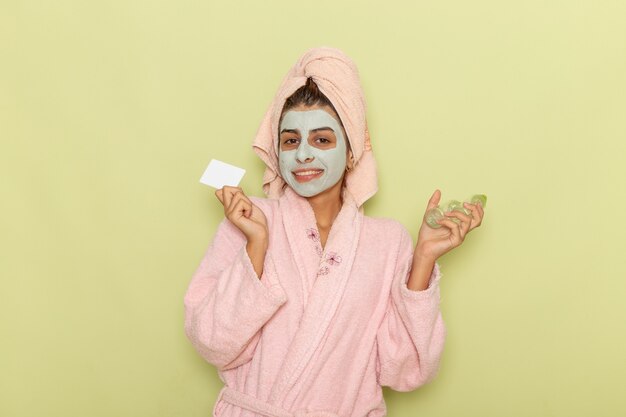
(322, 128)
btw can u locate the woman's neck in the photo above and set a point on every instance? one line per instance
(326, 206)
(326, 210)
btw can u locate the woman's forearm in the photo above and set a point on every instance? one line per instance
(420, 272)
(256, 252)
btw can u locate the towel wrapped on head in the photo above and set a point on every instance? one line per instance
(337, 78)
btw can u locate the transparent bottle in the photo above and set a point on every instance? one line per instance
(437, 213)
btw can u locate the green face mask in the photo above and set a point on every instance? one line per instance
(312, 151)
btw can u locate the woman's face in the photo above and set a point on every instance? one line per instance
(312, 149)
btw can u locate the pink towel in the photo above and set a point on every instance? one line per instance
(337, 77)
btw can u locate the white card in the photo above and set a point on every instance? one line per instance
(218, 174)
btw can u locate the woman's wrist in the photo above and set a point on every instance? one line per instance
(421, 270)
(259, 241)
(421, 255)
(257, 249)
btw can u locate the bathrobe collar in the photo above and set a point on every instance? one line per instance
(323, 274)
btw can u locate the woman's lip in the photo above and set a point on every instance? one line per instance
(306, 175)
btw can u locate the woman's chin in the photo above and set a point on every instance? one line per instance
(320, 191)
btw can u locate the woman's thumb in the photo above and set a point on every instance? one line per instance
(434, 199)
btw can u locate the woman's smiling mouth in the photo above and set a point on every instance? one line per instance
(306, 175)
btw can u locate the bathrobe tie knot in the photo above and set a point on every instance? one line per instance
(253, 404)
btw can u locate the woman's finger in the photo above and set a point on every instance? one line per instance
(226, 197)
(478, 216)
(245, 198)
(241, 197)
(466, 221)
(235, 199)
(476, 213)
(434, 200)
(473, 210)
(481, 212)
(455, 229)
(220, 195)
(240, 208)
(229, 193)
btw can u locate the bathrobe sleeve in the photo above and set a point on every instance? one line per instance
(226, 304)
(411, 336)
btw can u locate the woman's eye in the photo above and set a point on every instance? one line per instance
(323, 140)
(291, 141)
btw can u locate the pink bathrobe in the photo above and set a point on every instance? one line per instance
(323, 329)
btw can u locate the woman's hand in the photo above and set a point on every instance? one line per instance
(250, 220)
(433, 243)
(242, 213)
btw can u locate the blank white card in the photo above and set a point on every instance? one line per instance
(218, 174)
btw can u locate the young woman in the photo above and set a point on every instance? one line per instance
(306, 306)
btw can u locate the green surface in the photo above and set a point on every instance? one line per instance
(110, 112)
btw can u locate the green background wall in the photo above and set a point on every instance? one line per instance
(111, 110)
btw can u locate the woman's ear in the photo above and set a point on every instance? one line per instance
(349, 163)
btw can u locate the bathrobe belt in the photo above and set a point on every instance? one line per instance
(253, 404)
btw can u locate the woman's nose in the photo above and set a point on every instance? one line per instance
(305, 160)
(304, 153)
